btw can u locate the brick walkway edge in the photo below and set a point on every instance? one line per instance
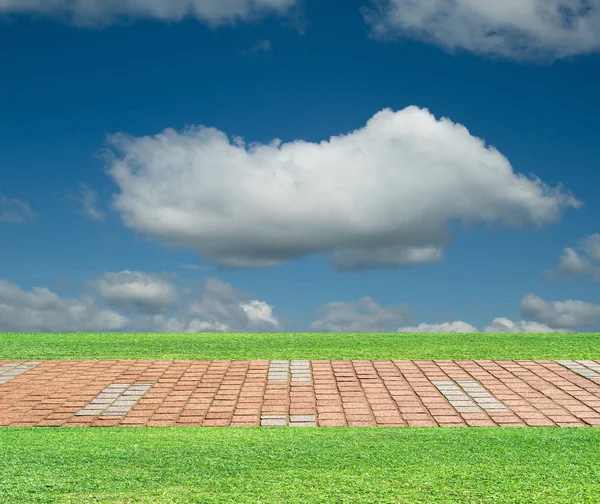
(293, 393)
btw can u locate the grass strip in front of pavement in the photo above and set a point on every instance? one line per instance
(258, 465)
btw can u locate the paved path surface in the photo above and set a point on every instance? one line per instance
(300, 393)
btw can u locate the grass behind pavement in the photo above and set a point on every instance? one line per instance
(246, 346)
(271, 465)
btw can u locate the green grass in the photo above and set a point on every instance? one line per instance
(21, 346)
(252, 465)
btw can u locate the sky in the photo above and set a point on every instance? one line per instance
(299, 166)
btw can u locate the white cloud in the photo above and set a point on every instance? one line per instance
(591, 245)
(220, 303)
(152, 304)
(13, 210)
(583, 261)
(137, 292)
(41, 310)
(561, 314)
(516, 29)
(219, 307)
(94, 12)
(573, 264)
(259, 311)
(177, 324)
(88, 199)
(380, 196)
(446, 327)
(504, 325)
(364, 315)
(218, 316)
(499, 325)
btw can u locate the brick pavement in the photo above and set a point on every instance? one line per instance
(300, 393)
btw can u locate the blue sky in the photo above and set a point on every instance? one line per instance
(282, 165)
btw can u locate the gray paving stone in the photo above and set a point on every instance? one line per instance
(119, 408)
(579, 369)
(302, 418)
(11, 370)
(124, 404)
(303, 424)
(90, 412)
(594, 366)
(272, 422)
(456, 397)
(300, 371)
(116, 399)
(467, 409)
(462, 404)
(484, 399)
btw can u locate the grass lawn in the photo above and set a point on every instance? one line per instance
(22, 346)
(251, 465)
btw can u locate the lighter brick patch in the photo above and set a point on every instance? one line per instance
(115, 400)
(303, 421)
(300, 371)
(282, 421)
(594, 366)
(273, 421)
(279, 371)
(11, 370)
(482, 397)
(285, 370)
(580, 369)
(456, 397)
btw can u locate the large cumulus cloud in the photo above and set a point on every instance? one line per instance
(380, 196)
